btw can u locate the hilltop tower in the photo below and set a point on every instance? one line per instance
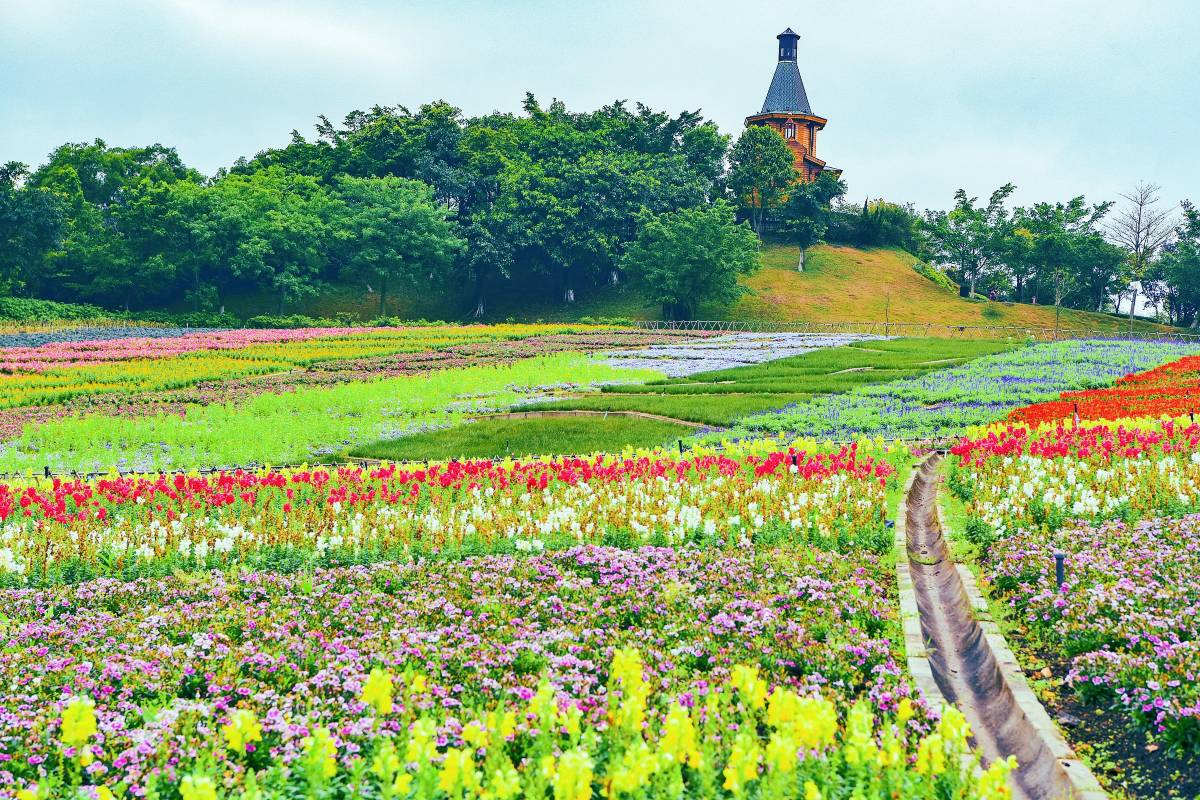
(788, 111)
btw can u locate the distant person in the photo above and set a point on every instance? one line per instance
(992, 296)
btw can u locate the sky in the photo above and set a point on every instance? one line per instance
(922, 96)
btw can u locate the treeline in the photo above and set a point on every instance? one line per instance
(399, 201)
(539, 204)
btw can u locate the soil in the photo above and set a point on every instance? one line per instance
(1123, 758)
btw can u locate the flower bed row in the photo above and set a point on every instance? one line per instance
(947, 402)
(56, 529)
(1169, 391)
(1127, 617)
(487, 677)
(1019, 478)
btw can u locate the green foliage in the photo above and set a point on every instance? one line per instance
(805, 215)
(761, 170)
(688, 257)
(876, 223)
(24, 309)
(934, 274)
(498, 437)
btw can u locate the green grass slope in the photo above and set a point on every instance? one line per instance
(839, 284)
(849, 284)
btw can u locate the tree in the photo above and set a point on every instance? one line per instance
(683, 258)
(805, 214)
(1141, 229)
(395, 232)
(1063, 250)
(1178, 270)
(760, 171)
(31, 224)
(970, 240)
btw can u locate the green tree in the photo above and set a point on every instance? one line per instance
(970, 240)
(394, 231)
(806, 213)
(31, 224)
(760, 171)
(1176, 275)
(683, 258)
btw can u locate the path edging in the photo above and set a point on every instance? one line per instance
(916, 655)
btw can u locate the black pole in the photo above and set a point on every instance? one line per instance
(681, 447)
(1060, 568)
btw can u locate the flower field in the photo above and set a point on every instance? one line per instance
(547, 676)
(716, 623)
(125, 526)
(1114, 495)
(944, 404)
(1125, 618)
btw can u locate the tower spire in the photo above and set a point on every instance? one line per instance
(787, 45)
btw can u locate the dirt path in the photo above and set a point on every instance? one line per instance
(964, 664)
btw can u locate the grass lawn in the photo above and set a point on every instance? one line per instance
(497, 437)
(722, 397)
(710, 409)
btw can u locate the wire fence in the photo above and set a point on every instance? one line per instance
(916, 329)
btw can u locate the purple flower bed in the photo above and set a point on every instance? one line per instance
(1127, 618)
(163, 659)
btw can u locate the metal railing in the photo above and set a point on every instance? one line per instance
(914, 329)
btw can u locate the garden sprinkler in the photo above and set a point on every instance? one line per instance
(1060, 568)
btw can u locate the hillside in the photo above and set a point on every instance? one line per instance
(839, 284)
(844, 284)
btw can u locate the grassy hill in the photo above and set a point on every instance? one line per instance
(839, 284)
(844, 284)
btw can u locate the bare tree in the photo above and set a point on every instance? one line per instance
(1142, 229)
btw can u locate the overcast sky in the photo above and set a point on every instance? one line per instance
(922, 96)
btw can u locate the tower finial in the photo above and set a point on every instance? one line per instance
(787, 45)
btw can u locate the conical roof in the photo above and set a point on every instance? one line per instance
(786, 95)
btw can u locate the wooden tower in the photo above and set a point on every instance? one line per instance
(787, 110)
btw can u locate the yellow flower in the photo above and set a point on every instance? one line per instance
(418, 684)
(637, 766)
(421, 745)
(782, 753)
(993, 783)
(573, 779)
(104, 793)
(33, 792)
(505, 783)
(403, 783)
(458, 770)
(931, 755)
(904, 711)
(78, 721)
(954, 727)
(626, 676)
(321, 752)
(860, 734)
(679, 737)
(386, 762)
(474, 734)
(752, 688)
(811, 792)
(743, 763)
(377, 691)
(198, 787)
(243, 728)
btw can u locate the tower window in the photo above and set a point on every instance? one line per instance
(789, 131)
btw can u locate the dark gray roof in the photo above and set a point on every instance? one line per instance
(786, 94)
